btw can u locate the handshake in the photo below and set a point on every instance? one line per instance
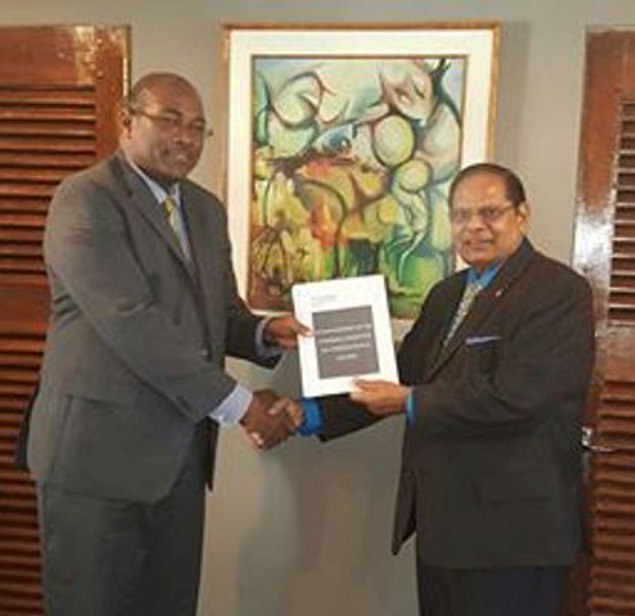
(270, 420)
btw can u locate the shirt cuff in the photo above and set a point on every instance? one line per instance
(410, 407)
(264, 350)
(312, 423)
(231, 410)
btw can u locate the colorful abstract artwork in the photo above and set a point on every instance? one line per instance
(350, 160)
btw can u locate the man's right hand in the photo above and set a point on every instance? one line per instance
(263, 422)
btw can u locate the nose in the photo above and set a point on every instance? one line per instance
(183, 129)
(187, 135)
(475, 221)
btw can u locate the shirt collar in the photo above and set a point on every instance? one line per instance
(484, 279)
(156, 189)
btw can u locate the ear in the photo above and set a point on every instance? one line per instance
(523, 211)
(125, 118)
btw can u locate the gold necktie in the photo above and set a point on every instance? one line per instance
(469, 295)
(170, 210)
(172, 215)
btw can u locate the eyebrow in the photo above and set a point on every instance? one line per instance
(178, 112)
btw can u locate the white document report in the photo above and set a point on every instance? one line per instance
(351, 337)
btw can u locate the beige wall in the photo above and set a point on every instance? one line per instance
(304, 531)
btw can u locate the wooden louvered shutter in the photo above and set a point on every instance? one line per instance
(59, 89)
(605, 252)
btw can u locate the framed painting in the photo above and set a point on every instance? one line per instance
(341, 144)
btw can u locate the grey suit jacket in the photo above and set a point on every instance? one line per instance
(137, 337)
(491, 466)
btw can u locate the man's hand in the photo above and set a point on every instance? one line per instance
(381, 397)
(276, 405)
(268, 420)
(292, 408)
(284, 331)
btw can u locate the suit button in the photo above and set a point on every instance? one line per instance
(205, 354)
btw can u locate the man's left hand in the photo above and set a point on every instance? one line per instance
(381, 397)
(284, 331)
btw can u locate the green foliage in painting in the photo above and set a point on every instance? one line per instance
(352, 159)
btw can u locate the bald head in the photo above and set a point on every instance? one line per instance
(153, 81)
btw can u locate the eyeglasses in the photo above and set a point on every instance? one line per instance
(174, 122)
(488, 214)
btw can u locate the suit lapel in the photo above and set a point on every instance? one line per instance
(450, 304)
(200, 242)
(140, 197)
(205, 243)
(485, 303)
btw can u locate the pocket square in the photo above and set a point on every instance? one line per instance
(476, 340)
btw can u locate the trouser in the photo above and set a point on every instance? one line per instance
(503, 591)
(108, 557)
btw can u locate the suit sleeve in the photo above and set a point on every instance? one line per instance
(341, 416)
(89, 252)
(542, 366)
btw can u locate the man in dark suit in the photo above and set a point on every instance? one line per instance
(494, 376)
(144, 309)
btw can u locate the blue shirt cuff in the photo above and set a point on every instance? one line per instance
(312, 423)
(410, 407)
(233, 407)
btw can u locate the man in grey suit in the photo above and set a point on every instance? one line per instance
(144, 309)
(495, 373)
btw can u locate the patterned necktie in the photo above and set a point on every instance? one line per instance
(173, 216)
(469, 294)
(171, 212)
